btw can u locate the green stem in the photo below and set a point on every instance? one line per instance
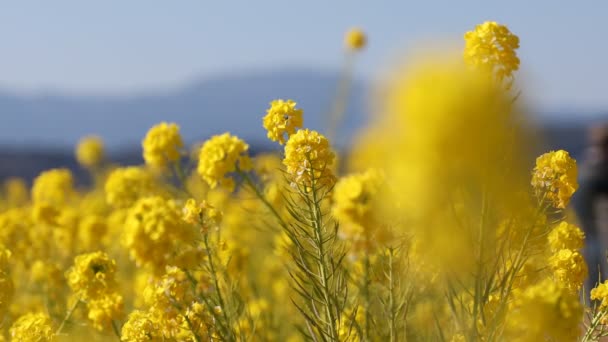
(68, 316)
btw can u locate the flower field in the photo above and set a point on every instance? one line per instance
(432, 226)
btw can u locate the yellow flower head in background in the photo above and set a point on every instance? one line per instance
(355, 39)
(555, 177)
(544, 311)
(141, 326)
(162, 145)
(54, 187)
(490, 47)
(353, 197)
(92, 275)
(221, 155)
(282, 119)
(90, 151)
(125, 185)
(600, 292)
(309, 158)
(32, 327)
(566, 236)
(569, 268)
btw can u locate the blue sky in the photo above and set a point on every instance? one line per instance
(129, 46)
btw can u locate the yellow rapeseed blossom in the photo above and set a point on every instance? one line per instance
(90, 151)
(308, 159)
(165, 297)
(355, 39)
(162, 145)
(545, 311)
(126, 185)
(220, 156)
(140, 327)
(282, 119)
(600, 293)
(54, 187)
(92, 275)
(32, 327)
(152, 228)
(104, 310)
(566, 236)
(353, 195)
(554, 177)
(202, 215)
(491, 47)
(569, 268)
(16, 191)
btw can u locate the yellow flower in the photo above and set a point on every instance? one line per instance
(16, 191)
(202, 214)
(490, 47)
(104, 310)
(125, 185)
(221, 155)
(569, 268)
(162, 145)
(165, 297)
(90, 151)
(92, 275)
(282, 119)
(355, 39)
(309, 158)
(554, 177)
(545, 311)
(566, 236)
(140, 327)
(54, 187)
(152, 229)
(600, 292)
(352, 197)
(32, 327)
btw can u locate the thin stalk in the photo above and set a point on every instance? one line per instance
(67, 316)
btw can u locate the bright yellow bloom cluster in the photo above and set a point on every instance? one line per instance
(221, 155)
(162, 145)
(164, 299)
(32, 327)
(600, 292)
(282, 119)
(555, 177)
(355, 39)
(566, 236)
(309, 159)
(353, 196)
(125, 185)
(545, 311)
(491, 47)
(90, 151)
(152, 228)
(53, 187)
(140, 327)
(202, 214)
(92, 275)
(569, 268)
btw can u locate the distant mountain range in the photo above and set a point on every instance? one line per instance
(39, 131)
(234, 103)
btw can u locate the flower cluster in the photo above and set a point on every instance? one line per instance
(162, 145)
(309, 159)
(90, 151)
(491, 47)
(221, 155)
(555, 177)
(282, 119)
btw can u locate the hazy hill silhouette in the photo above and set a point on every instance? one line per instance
(38, 132)
(234, 103)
